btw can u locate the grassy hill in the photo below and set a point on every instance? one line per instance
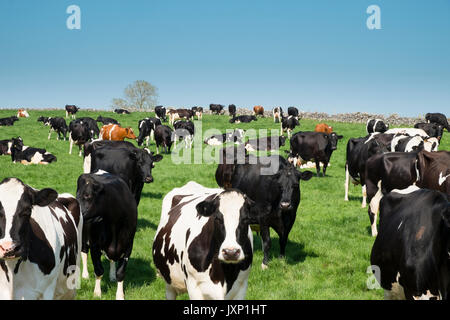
(329, 246)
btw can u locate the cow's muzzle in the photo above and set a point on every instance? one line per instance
(148, 179)
(285, 205)
(8, 250)
(231, 254)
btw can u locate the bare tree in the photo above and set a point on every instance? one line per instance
(140, 95)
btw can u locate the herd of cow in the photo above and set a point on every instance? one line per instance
(204, 243)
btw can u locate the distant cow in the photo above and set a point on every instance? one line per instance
(121, 111)
(29, 155)
(163, 138)
(203, 244)
(180, 114)
(198, 111)
(9, 121)
(91, 124)
(376, 125)
(116, 132)
(411, 249)
(184, 130)
(147, 129)
(319, 146)
(22, 113)
(72, 110)
(232, 110)
(160, 113)
(236, 136)
(438, 118)
(243, 118)
(277, 113)
(293, 111)
(432, 129)
(265, 144)
(40, 242)
(273, 184)
(57, 124)
(288, 124)
(323, 127)
(106, 120)
(110, 217)
(216, 108)
(258, 110)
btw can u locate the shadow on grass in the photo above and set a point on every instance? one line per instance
(144, 223)
(152, 195)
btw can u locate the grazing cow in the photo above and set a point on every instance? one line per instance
(40, 242)
(323, 127)
(163, 137)
(116, 133)
(106, 120)
(160, 113)
(29, 155)
(57, 124)
(216, 108)
(277, 113)
(79, 134)
(180, 114)
(434, 170)
(258, 110)
(412, 247)
(110, 217)
(432, 129)
(22, 113)
(273, 184)
(311, 145)
(376, 125)
(232, 110)
(265, 144)
(147, 129)
(288, 124)
(72, 110)
(121, 158)
(198, 111)
(184, 130)
(121, 111)
(5, 147)
(236, 136)
(438, 118)
(204, 244)
(9, 121)
(91, 124)
(244, 118)
(293, 111)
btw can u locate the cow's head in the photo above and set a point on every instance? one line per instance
(87, 191)
(17, 144)
(129, 133)
(145, 163)
(42, 119)
(287, 180)
(282, 141)
(16, 203)
(231, 213)
(333, 140)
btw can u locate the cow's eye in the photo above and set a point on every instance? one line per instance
(25, 213)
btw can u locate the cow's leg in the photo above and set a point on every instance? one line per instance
(98, 269)
(49, 133)
(112, 271)
(171, 293)
(373, 222)
(120, 275)
(318, 167)
(347, 181)
(67, 114)
(71, 143)
(266, 244)
(364, 195)
(80, 153)
(324, 169)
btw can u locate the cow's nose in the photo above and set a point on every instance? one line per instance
(148, 179)
(87, 197)
(231, 254)
(284, 205)
(5, 247)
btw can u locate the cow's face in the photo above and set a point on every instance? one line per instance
(333, 138)
(287, 180)
(87, 191)
(16, 203)
(282, 140)
(17, 143)
(145, 163)
(231, 213)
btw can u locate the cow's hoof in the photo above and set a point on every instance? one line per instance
(264, 266)
(85, 275)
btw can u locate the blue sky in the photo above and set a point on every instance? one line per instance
(316, 55)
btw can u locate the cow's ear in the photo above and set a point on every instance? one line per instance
(305, 175)
(157, 158)
(44, 197)
(133, 155)
(206, 208)
(340, 137)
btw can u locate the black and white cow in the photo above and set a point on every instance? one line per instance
(5, 147)
(293, 111)
(57, 124)
(184, 130)
(236, 136)
(277, 113)
(274, 185)
(29, 155)
(72, 110)
(9, 121)
(147, 129)
(40, 242)
(110, 218)
(288, 124)
(265, 144)
(438, 118)
(317, 146)
(121, 111)
(198, 111)
(160, 113)
(121, 158)
(432, 129)
(232, 110)
(216, 108)
(91, 124)
(376, 125)
(163, 138)
(79, 134)
(412, 246)
(204, 244)
(106, 120)
(243, 118)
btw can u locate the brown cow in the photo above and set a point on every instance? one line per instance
(22, 113)
(258, 110)
(116, 133)
(323, 127)
(434, 170)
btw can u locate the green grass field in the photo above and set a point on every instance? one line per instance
(329, 246)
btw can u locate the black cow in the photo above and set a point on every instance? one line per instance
(110, 218)
(94, 131)
(132, 164)
(121, 111)
(243, 118)
(293, 111)
(309, 145)
(184, 130)
(288, 124)
(9, 121)
(376, 125)
(163, 137)
(216, 108)
(147, 129)
(29, 155)
(412, 247)
(72, 110)
(57, 124)
(432, 129)
(265, 144)
(106, 120)
(79, 134)
(160, 113)
(438, 118)
(273, 184)
(232, 110)
(5, 147)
